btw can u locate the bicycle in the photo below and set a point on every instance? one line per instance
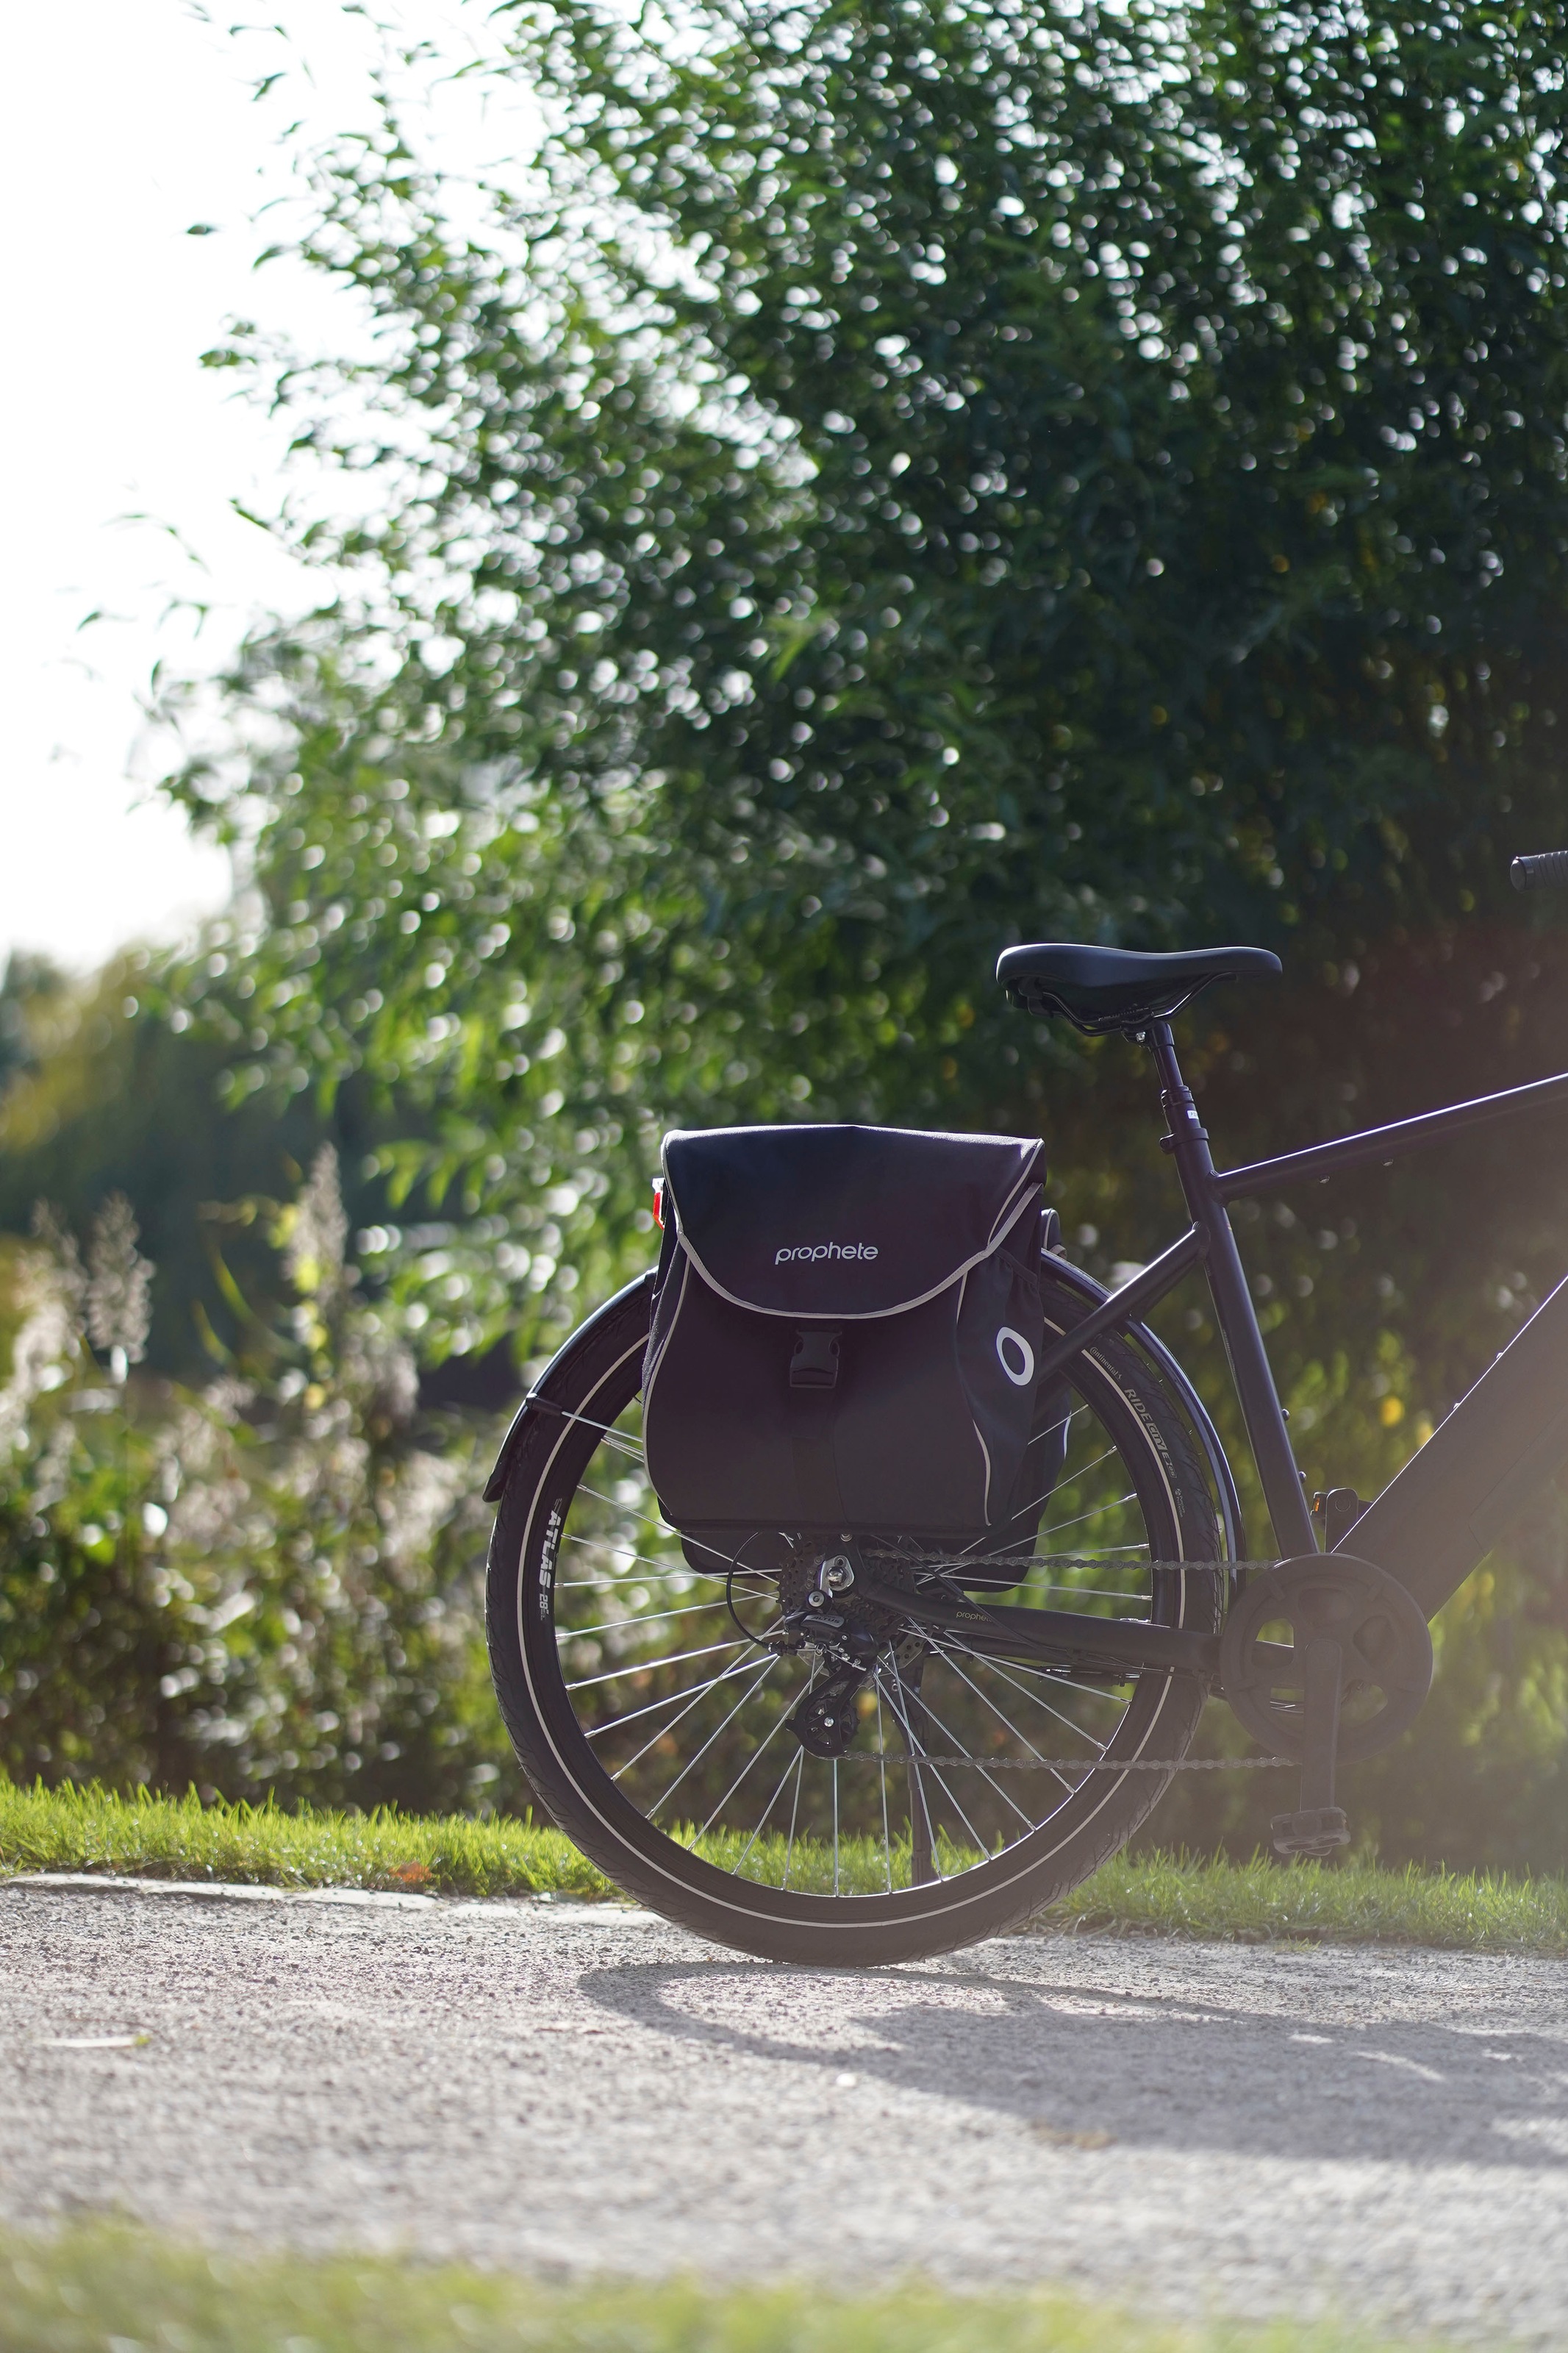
(810, 1733)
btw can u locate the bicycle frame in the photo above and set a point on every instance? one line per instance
(1439, 1517)
(1441, 1514)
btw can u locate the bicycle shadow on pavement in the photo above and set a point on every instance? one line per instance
(1089, 2065)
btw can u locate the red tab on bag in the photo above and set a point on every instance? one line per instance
(658, 1203)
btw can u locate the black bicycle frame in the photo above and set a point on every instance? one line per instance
(1438, 1518)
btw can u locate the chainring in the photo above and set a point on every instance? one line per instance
(1383, 1637)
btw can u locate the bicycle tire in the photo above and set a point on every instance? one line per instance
(591, 1385)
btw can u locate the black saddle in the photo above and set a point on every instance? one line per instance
(1118, 988)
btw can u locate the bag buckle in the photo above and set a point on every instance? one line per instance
(814, 1363)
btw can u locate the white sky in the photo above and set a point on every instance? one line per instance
(123, 123)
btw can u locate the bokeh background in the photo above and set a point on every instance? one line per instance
(760, 510)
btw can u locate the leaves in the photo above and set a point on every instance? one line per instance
(890, 489)
(890, 484)
(267, 1586)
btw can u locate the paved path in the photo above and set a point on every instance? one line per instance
(1382, 2134)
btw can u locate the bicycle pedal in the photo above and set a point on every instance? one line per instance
(1310, 1830)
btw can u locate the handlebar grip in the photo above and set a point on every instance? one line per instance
(1546, 871)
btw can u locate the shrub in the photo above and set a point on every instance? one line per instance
(270, 1584)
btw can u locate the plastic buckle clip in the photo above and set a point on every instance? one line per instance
(814, 1363)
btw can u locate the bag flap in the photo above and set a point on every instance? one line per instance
(843, 1222)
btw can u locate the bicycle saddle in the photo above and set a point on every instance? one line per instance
(1119, 988)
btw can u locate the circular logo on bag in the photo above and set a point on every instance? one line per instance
(1015, 1356)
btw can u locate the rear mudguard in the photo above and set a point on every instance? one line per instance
(1192, 1404)
(538, 1396)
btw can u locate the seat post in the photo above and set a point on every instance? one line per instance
(1187, 1142)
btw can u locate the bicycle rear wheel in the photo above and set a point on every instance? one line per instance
(648, 1697)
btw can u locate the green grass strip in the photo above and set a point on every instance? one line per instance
(87, 1828)
(1265, 1902)
(98, 2285)
(77, 1829)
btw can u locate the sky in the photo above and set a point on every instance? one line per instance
(123, 125)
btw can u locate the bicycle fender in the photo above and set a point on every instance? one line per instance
(495, 1485)
(1155, 1348)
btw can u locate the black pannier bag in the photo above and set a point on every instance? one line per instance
(845, 1336)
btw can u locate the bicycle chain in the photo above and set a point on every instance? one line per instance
(1078, 1764)
(1062, 1560)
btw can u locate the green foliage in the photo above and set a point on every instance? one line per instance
(94, 2284)
(99, 1093)
(893, 487)
(268, 1585)
(898, 481)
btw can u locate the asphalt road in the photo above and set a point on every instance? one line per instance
(1380, 2134)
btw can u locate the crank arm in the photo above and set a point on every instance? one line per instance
(1058, 1637)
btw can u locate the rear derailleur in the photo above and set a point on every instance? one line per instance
(823, 1617)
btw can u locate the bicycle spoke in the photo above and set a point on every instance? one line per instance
(795, 1760)
(640, 1618)
(660, 1569)
(1055, 1529)
(613, 1584)
(666, 1731)
(928, 1767)
(835, 1825)
(913, 1742)
(643, 1666)
(741, 1776)
(985, 1700)
(1067, 1479)
(672, 1566)
(793, 1816)
(882, 1770)
(661, 1527)
(1089, 1691)
(676, 1566)
(692, 1763)
(1070, 1477)
(607, 1430)
(1066, 1423)
(1092, 1593)
(976, 1765)
(692, 1691)
(1098, 1554)
(1070, 1786)
(1099, 1747)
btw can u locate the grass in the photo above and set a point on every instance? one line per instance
(75, 1829)
(1264, 1902)
(98, 2285)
